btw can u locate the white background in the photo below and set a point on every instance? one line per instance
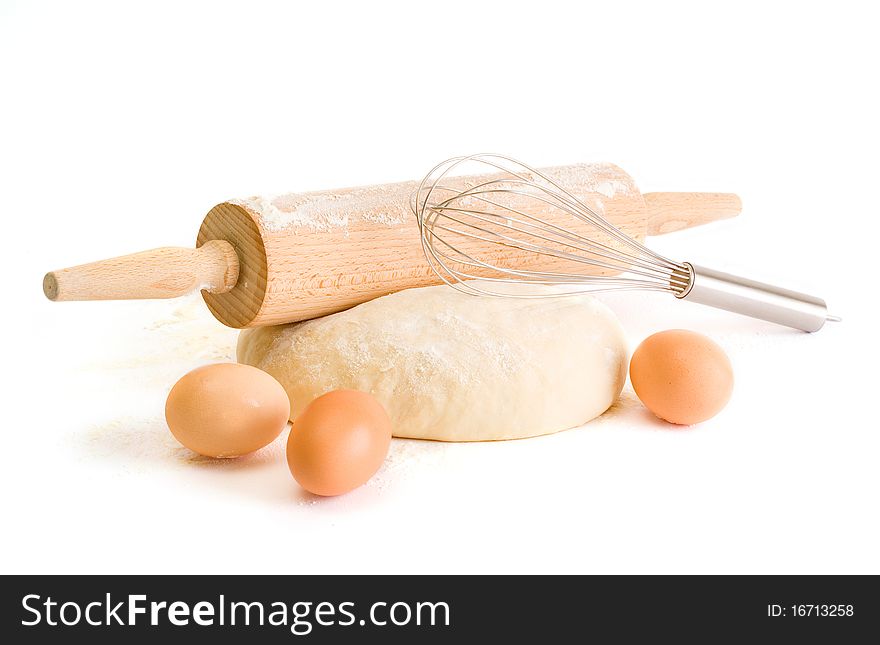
(121, 126)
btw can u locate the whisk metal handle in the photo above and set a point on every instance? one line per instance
(755, 299)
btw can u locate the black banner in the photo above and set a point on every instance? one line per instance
(435, 608)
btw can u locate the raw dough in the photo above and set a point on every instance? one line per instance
(455, 367)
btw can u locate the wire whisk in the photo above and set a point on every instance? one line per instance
(518, 225)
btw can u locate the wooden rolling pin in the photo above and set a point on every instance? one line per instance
(265, 261)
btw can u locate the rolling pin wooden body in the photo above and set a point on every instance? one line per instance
(264, 261)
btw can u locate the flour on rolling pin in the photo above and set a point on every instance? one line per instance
(327, 211)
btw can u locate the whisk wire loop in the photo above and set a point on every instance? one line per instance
(468, 231)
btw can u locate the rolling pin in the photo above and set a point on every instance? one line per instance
(270, 260)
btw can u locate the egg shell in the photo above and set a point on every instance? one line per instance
(226, 409)
(681, 376)
(338, 442)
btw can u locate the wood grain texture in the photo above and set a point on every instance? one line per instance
(239, 306)
(670, 212)
(167, 272)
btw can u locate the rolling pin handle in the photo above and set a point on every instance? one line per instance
(166, 272)
(669, 212)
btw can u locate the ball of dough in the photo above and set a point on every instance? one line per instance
(455, 367)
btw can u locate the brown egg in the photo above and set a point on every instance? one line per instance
(226, 409)
(338, 442)
(681, 376)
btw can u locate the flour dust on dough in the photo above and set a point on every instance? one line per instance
(455, 367)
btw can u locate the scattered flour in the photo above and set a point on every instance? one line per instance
(181, 335)
(408, 458)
